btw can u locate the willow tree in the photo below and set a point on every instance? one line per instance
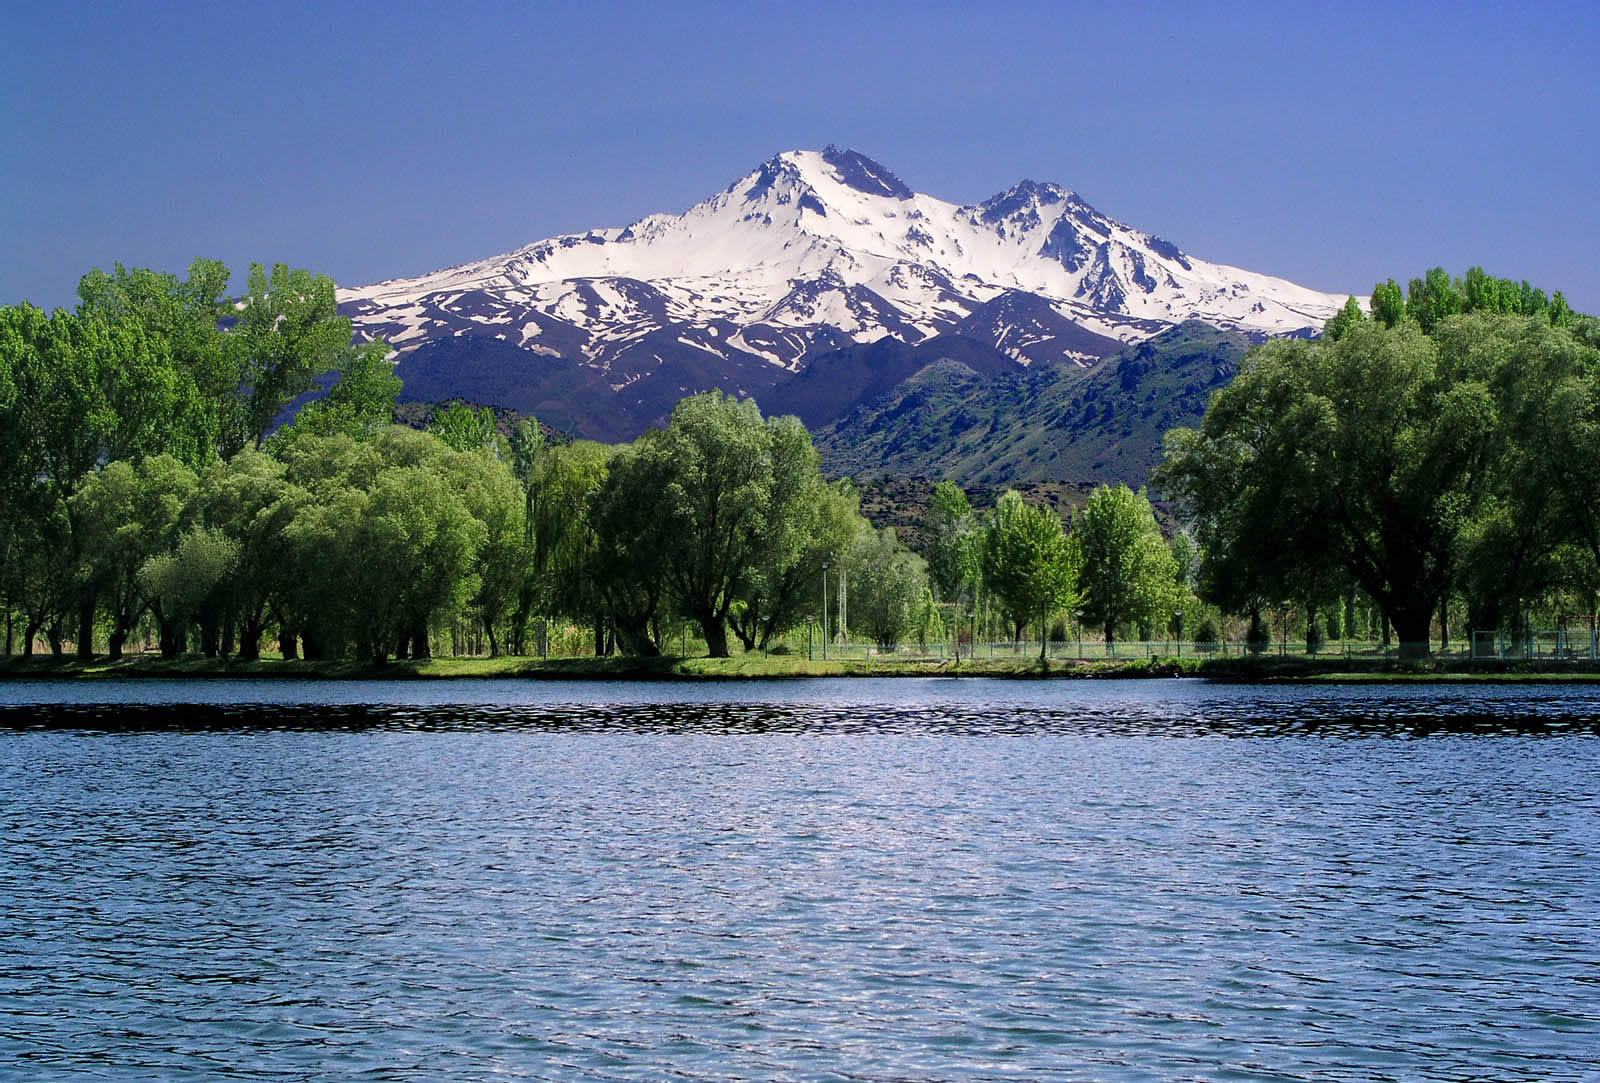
(728, 491)
(1365, 458)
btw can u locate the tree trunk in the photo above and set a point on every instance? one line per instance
(1413, 627)
(716, 633)
(115, 642)
(30, 632)
(1444, 624)
(288, 644)
(421, 647)
(494, 644)
(635, 639)
(172, 638)
(250, 639)
(86, 605)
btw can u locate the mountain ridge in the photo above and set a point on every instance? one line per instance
(809, 254)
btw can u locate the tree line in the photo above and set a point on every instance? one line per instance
(1435, 447)
(1436, 451)
(157, 481)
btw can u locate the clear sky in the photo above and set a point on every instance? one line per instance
(1332, 144)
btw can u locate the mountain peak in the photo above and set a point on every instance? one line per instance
(1025, 195)
(812, 251)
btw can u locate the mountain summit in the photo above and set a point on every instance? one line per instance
(810, 253)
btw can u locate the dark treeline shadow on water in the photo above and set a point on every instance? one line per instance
(1312, 716)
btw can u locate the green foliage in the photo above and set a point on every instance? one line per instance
(361, 404)
(184, 315)
(888, 584)
(127, 514)
(464, 428)
(1366, 460)
(288, 334)
(1432, 298)
(1344, 319)
(726, 492)
(185, 584)
(1028, 566)
(1128, 574)
(1388, 303)
(952, 537)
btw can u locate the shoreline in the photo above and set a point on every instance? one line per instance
(1266, 670)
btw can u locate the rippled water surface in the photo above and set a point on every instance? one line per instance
(852, 880)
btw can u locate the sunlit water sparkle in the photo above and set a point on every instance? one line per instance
(906, 880)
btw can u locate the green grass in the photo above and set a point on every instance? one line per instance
(754, 665)
(744, 666)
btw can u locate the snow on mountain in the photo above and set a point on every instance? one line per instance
(811, 252)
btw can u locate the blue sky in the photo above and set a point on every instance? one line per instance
(1332, 144)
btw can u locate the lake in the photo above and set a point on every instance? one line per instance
(799, 880)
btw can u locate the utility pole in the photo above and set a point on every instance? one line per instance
(824, 610)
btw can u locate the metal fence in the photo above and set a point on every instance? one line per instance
(1558, 645)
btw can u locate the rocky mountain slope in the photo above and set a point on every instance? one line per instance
(1048, 423)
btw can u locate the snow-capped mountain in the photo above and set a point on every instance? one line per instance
(812, 252)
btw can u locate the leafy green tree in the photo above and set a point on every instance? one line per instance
(1432, 298)
(1128, 574)
(185, 314)
(560, 484)
(504, 558)
(288, 333)
(361, 404)
(887, 585)
(250, 501)
(127, 514)
(85, 391)
(1363, 457)
(623, 569)
(1346, 317)
(723, 503)
(1388, 303)
(183, 585)
(1544, 486)
(463, 427)
(813, 526)
(952, 535)
(1028, 566)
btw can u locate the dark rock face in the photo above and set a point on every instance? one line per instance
(1166, 249)
(1063, 246)
(863, 174)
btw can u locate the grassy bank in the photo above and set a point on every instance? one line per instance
(747, 666)
(757, 666)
